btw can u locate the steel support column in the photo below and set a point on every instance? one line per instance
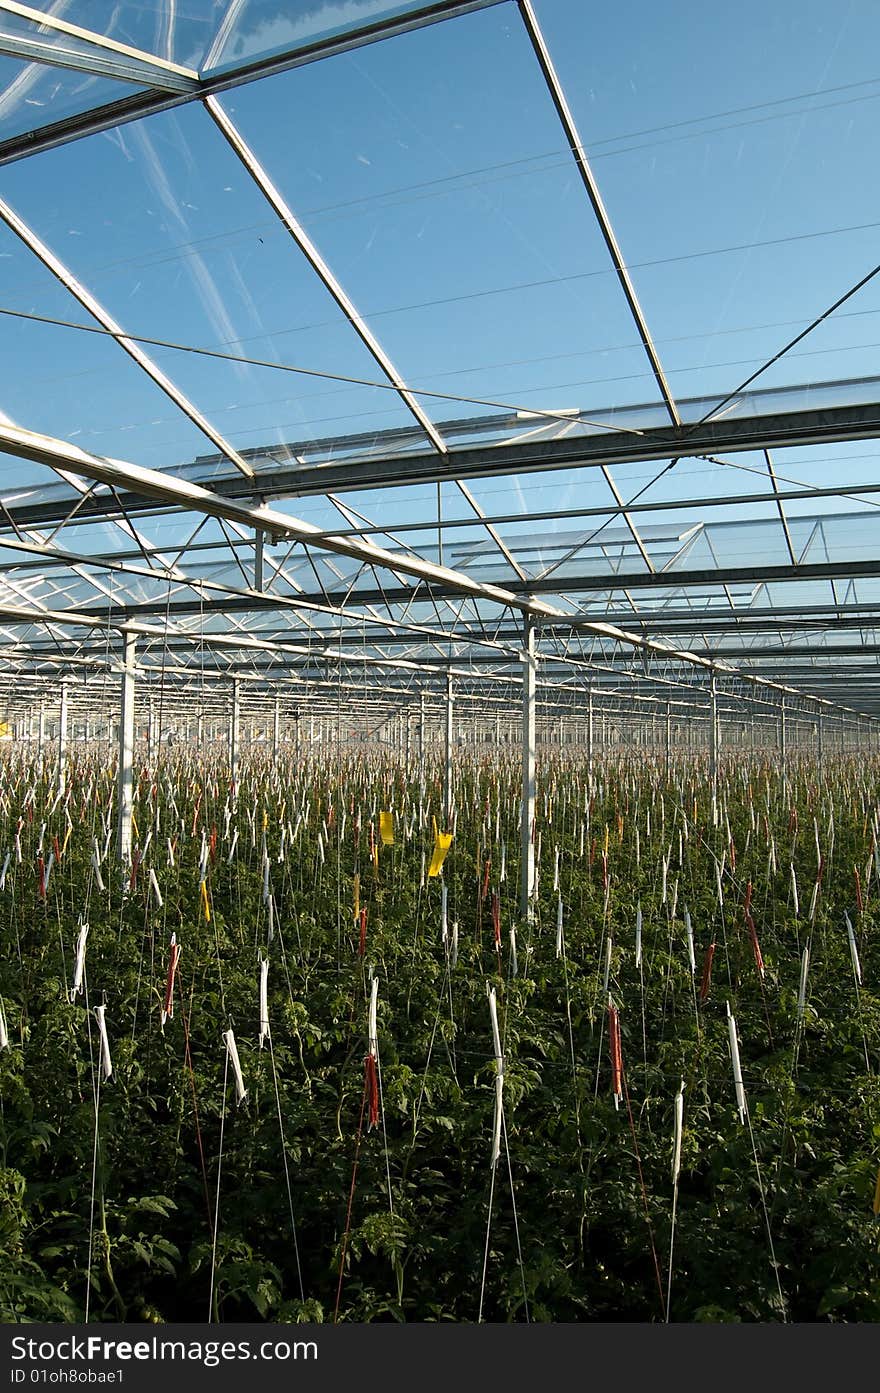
(668, 736)
(713, 733)
(234, 720)
(447, 782)
(527, 824)
(62, 739)
(590, 734)
(125, 775)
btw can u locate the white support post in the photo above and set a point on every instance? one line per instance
(819, 750)
(125, 774)
(713, 732)
(527, 846)
(668, 736)
(62, 738)
(447, 782)
(590, 734)
(234, 717)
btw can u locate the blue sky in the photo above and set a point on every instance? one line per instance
(734, 149)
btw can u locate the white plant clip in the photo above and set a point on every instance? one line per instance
(264, 1000)
(154, 885)
(372, 1016)
(80, 962)
(676, 1142)
(853, 951)
(736, 1065)
(499, 1078)
(106, 1065)
(232, 1051)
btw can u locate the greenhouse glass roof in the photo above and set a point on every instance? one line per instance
(345, 336)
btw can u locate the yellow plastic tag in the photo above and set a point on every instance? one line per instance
(442, 843)
(386, 828)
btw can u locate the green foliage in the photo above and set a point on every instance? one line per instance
(584, 1232)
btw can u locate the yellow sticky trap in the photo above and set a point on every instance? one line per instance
(386, 828)
(357, 895)
(442, 843)
(205, 905)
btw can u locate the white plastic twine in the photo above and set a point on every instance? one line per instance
(79, 966)
(232, 1053)
(499, 1078)
(639, 934)
(853, 950)
(264, 1000)
(106, 1065)
(735, 1063)
(4, 1034)
(802, 992)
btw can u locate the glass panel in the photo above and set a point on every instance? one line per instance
(253, 29)
(483, 273)
(180, 31)
(737, 189)
(33, 94)
(189, 252)
(83, 389)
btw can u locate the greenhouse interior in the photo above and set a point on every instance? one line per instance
(440, 758)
